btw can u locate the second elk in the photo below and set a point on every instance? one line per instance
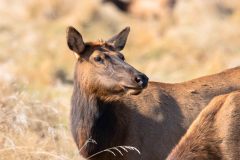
(215, 134)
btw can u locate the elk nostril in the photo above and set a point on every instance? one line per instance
(138, 79)
(142, 80)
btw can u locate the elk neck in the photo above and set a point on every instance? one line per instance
(93, 118)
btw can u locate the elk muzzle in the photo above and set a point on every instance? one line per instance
(141, 80)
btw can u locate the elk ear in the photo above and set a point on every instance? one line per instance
(120, 39)
(75, 40)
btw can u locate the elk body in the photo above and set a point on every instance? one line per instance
(215, 134)
(114, 104)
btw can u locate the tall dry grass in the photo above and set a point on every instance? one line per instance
(31, 128)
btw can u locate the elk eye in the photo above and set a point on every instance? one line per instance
(98, 59)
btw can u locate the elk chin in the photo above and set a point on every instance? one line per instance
(131, 90)
(134, 91)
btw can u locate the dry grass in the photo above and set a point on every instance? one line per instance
(198, 39)
(30, 129)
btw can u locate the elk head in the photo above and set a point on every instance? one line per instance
(101, 67)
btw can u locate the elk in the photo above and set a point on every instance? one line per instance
(114, 104)
(215, 132)
(146, 9)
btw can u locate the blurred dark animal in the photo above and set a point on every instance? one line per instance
(215, 134)
(146, 9)
(155, 9)
(114, 104)
(120, 4)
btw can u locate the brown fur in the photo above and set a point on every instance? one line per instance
(151, 119)
(214, 134)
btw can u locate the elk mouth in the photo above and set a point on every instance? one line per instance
(132, 90)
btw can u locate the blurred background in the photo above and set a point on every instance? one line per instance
(170, 41)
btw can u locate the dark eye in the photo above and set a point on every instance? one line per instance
(98, 59)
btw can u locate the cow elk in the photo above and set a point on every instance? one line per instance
(215, 134)
(114, 104)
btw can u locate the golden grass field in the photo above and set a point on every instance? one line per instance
(196, 39)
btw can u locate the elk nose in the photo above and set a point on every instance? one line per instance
(142, 80)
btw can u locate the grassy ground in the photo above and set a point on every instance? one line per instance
(199, 38)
